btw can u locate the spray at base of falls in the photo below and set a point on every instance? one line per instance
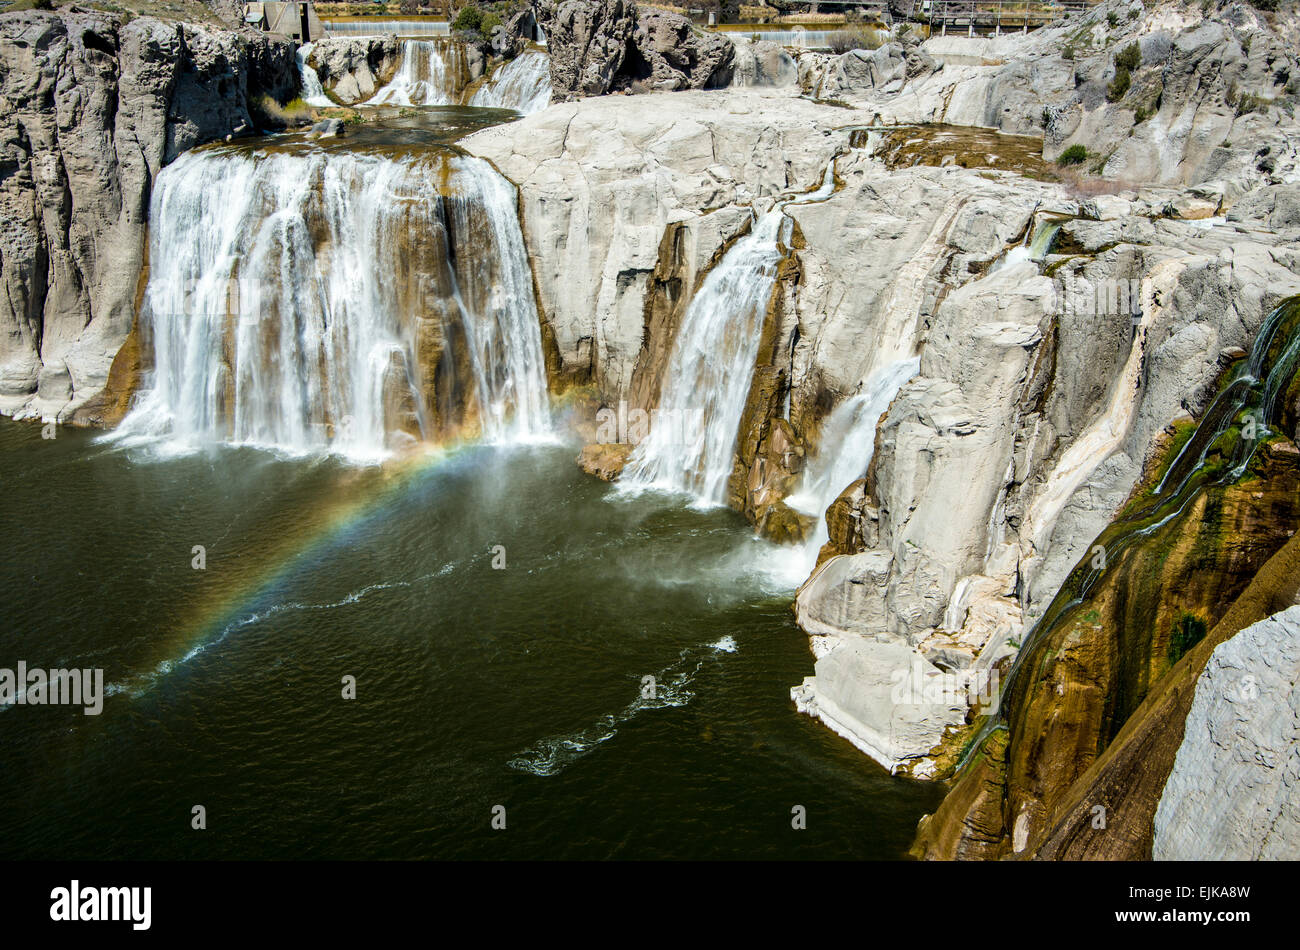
(431, 73)
(708, 373)
(523, 84)
(346, 303)
(313, 93)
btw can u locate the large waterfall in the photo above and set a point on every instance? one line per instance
(432, 73)
(692, 447)
(344, 302)
(523, 84)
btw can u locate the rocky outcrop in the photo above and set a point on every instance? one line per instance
(587, 41)
(91, 108)
(353, 70)
(762, 63)
(1181, 94)
(863, 73)
(668, 53)
(1235, 784)
(601, 46)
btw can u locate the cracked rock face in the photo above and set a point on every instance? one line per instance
(90, 110)
(353, 70)
(1234, 792)
(587, 41)
(602, 46)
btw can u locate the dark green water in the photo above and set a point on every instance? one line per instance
(228, 680)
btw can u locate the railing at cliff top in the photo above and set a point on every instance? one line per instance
(995, 16)
(1237, 422)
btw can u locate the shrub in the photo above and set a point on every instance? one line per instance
(1119, 85)
(1112, 18)
(469, 20)
(1249, 102)
(842, 41)
(1130, 57)
(1067, 52)
(1074, 155)
(490, 22)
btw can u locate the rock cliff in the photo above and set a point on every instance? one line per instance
(602, 46)
(91, 107)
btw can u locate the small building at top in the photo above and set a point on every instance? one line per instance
(296, 20)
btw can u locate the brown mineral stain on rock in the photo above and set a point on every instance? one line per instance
(605, 460)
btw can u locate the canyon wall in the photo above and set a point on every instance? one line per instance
(91, 108)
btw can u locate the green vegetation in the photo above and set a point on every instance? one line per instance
(1130, 57)
(1249, 102)
(1074, 155)
(1067, 52)
(1119, 85)
(1126, 60)
(469, 20)
(1188, 630)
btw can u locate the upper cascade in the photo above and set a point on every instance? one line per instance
(432, 73)
(523, 84)
(342, 302)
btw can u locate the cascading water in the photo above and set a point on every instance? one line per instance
(691, 449)
(345, 302)
(847, 444)
(1237, 422)
(1038, 242)
(313, 93)
(523, 84)
(432, 73)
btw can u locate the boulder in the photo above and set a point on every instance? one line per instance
(587, 41)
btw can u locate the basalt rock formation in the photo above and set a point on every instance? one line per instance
(353, 70)
(602, 46)
(91, 108)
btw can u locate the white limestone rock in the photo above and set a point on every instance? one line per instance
(1234, 791)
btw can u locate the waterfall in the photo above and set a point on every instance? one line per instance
(432, 73)
(344, 302)
(847, 444)
(707, 379)
(691, 448)
(523, 84)
(1038, 242)
(313, 93)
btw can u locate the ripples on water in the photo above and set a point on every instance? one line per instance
(475, 687)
